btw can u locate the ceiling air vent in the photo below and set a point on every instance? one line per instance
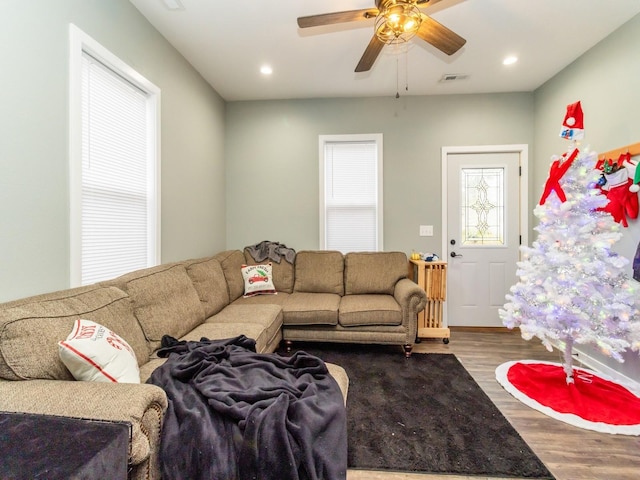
(452, 77)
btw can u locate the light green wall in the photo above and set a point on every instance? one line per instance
(272, 159)
(265, 185)
(34, 202)
(606, 80)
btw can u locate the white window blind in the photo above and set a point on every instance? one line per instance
(117, 176)
(352, 195)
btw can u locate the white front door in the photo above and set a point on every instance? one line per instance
(484, 222)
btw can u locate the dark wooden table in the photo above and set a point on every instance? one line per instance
(50, 447)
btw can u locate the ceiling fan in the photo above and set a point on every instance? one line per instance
(396, 21)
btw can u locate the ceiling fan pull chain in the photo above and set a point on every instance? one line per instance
(397, 78)
(406, 69)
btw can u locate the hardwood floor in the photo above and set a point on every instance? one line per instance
(570, 453)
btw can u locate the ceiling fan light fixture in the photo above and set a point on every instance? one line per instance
(409, 26)
(397, 22)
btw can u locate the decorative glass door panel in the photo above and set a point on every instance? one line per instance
(482, 206)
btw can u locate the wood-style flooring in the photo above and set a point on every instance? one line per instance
(570, 453)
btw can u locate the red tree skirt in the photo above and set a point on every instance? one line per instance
(593, 401)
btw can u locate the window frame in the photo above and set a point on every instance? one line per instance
(351, 138)
(80, 42)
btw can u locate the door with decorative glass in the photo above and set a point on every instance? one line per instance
(483, 233)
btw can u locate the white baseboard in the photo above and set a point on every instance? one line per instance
(596, 365)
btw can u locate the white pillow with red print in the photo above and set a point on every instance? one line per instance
(93, 353)
(258, 280)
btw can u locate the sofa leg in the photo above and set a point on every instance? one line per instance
(407, 350)
(288, 344)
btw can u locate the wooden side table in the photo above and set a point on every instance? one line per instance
(432, 277)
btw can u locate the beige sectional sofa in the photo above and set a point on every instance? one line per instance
(323, 296)
(359, 297)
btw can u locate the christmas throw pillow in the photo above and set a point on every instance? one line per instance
(93, 353)
(258, 280)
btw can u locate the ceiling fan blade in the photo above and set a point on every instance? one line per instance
(337, 17)
(440, 36)
(370, 54)
(426, 3)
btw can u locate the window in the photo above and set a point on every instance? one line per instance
(114, 165)
(351, 192)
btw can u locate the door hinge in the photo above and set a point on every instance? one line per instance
(520, 241)
(520, 171)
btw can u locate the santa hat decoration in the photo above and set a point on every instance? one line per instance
(573, 126)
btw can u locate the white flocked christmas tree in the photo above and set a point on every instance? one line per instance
(572, 287)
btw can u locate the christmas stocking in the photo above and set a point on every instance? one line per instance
(622, 202)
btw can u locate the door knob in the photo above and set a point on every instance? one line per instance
(454, 255)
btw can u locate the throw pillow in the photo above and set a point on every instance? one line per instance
(93, 353)
(258, 280)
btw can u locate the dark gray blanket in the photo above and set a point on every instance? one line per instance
(274, 251)
(235, 414)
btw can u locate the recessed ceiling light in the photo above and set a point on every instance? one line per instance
(173, 4)
(266, 70)
(510, 60)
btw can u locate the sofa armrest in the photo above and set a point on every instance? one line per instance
(142, 405)
(412, 299)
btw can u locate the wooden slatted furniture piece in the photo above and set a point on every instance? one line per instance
(432, 277)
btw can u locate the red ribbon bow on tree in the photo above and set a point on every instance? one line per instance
(556, 172)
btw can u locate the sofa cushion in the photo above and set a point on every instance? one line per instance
(147, 369)
(210, 283)
(282, 272)
(221, 331)
(31, 328)
(279, 299)
(341, 377)
(373, 272)
(269, 317)
(231, 262)
(361, 310)
(319, 272)
(311, 309)
(164, 301)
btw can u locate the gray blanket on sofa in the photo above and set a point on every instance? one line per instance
(267, 250)
(235, 414)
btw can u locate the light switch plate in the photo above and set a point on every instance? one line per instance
(426, 230)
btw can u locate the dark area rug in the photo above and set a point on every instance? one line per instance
(424, 414)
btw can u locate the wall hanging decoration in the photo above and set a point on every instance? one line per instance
(627, 153)
(619, 177)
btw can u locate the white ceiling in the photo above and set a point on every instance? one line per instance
(228, 42)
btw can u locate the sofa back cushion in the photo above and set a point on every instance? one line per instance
(209, 281)
(319, 271)
(282, 272)
(373, 272)
(31, 328)
(164, 301)
(231, 262)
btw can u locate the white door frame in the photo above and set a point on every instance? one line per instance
(523, 151)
